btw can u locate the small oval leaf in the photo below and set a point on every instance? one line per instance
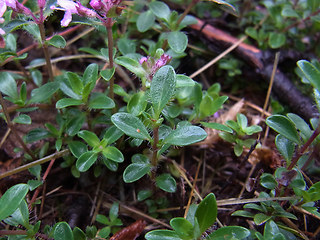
(57, 41)
(186, 135)
(166, 182)
(284, 126)
(177, 41)
(86, 160)
(62, 231)
(130, 125)
(11, 199)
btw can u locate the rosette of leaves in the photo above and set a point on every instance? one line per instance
(236, 132)
(161, 91)
(109, 155)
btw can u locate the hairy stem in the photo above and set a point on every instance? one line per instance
(155, 150)
(46, 51)
(304, 148)
(110, 52)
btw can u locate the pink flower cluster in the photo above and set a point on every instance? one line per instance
(101, 7)
(16, 6)
(151, 65)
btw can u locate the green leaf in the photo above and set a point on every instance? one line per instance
(182, 227)
(57, 41)
(238, 149)
(36, 76)
(44, 92)
(137, 103)
(77, 148)
(90, 75)
(252, 129)
(261, 218)
(160, 9)
(62, 231)
(276, 40)
(217, 126)
(130, 125)
(37, 134)
(66, 102)
(8, 85)
(90, 138)
(162, 235)
(101, 101)
(229, 232)
(285, 146)
(166, 182)
(242, 120)
(75, 82)
(107, 74)
(144, 194)
(177, 41)
(132, 65)
(127, 46)
(184, 81)
(243, 213)
(311, 73)
(21, 215)
(162, 88)
(301, 125)
(112, 135)
(140, 166)
(113, 154)
(270, 230)
(11, 199)
(114, 210)
(268, 181)
(145, 21)
(186, 135)
(78, 234)
(86, 160)
(102, 219)
(206, 212)
(226, 6)
(74, 124)
(284, 126)
(22, 119)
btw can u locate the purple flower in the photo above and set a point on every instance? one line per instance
(143, 59)
(151, 65)
(7, 3)
(104, 6)
(41, 3)
(70, 8)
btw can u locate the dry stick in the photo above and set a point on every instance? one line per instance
(275, 64)
(34, 163)
(186, 178)
(192, 189)
(11, 126)
(253, 106)
(137, 212)
(5, 137)
(233, 201)
(292, 225)
(36, 193)
(216, 59)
